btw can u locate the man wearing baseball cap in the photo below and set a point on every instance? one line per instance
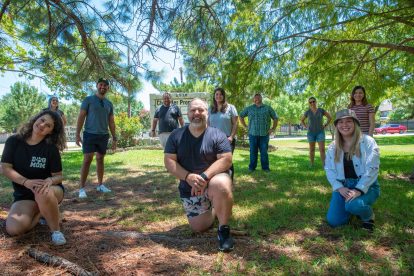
(97, 113)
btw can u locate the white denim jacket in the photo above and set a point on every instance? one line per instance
(366, 166)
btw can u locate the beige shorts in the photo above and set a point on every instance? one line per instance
(163, 138)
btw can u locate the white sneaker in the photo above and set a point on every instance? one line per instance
(101, 188)
(82, 193)
(58, 238)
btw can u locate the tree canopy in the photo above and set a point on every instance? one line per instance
(67, 44)
(325, 46)
(19, 105)
(293, 46)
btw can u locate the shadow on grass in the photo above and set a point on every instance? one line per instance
(291, 195)
(283, 213)
(397, 164)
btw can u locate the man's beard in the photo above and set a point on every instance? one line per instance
(197, 122)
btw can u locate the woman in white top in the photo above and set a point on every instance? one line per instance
(223, 116)
(352, 166)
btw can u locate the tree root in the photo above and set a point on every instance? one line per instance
(56, 261)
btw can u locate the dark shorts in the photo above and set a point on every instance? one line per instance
(95, 143)
(29, 195)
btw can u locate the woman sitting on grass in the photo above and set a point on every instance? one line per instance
(31, 160)
(351, 167)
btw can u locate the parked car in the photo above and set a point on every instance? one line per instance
(390, 128)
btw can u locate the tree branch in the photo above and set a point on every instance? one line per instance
(91, 53)
(49, 34)
(3, 9)
(372, 44)
(56, 261)
(151, 27)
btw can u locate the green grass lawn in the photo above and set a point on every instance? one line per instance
(283, 212)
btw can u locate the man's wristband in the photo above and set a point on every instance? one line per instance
(114, 138)
(24, 182)
(204, 176)
(185, 178)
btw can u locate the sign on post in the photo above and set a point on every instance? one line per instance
(70, 133)
(179, 99)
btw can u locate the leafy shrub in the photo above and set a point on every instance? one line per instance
(242, 135)
(127, 129)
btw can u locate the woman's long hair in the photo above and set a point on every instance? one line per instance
(57, 137)
(364, 100)
(214, 108)
(339, 144)
(49, 105)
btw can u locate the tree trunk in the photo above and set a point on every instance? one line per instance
(129, 104)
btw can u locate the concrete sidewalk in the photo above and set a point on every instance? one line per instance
(71, 147)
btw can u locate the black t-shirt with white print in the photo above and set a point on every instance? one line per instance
(31, 161)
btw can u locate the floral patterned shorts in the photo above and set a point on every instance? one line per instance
(196, 205)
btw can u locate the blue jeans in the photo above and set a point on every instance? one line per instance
(259, 143)
(340, 211)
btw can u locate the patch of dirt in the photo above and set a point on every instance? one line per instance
(105, 246)
(404, 177)
(170, 250)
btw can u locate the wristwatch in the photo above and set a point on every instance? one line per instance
(204, 176)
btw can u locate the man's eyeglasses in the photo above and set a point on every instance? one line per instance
(311, 102)
(102, 103)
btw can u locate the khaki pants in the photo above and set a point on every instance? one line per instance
(163, 138)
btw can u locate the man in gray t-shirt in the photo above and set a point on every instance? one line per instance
(97, 114)
(167, 115)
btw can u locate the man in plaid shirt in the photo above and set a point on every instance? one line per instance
(260, 116)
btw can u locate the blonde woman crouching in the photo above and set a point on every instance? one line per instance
(352, 166)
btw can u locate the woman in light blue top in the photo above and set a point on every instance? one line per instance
(223, 116)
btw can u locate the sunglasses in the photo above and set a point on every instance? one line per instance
(102, 103)
(311, 102)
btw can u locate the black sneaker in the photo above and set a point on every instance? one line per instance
(368, 225)
(226, 242)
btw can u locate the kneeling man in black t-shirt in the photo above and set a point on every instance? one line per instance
(200, 157)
